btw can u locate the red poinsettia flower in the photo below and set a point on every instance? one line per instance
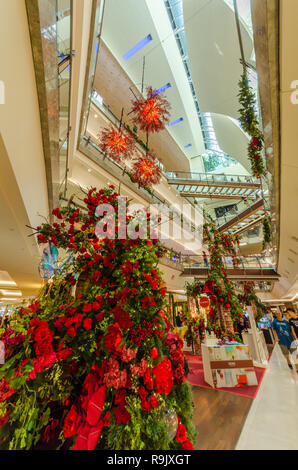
(87, 324)
(181, 435)
(187, 445)
(154, 353)
(113, 338)
(121, 413)
(70, 422)
(163, 377)
(208, 287)
(122, 317)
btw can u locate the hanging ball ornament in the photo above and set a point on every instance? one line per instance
(151, 114)
(146, 171)
(116, 144)
(169, 417)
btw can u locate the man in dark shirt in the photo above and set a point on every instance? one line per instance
(293, 320)
(282, 333)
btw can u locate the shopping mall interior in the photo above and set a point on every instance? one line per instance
(149, 230)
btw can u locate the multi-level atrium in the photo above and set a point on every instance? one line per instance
(148, 255)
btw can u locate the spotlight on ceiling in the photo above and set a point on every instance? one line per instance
(176, 122)
(162, 89)
(138, 47)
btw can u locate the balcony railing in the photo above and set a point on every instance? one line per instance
(230, 262)
(212, 178)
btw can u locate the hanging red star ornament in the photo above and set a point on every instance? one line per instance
(146, 170)
(151, 114)
(116, 144)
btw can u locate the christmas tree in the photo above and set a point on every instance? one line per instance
(92, 363)
(225, 308)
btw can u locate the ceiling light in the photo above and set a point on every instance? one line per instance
(89, 171)
(11, 292)
(176, 122)
(269, 150)
(96, 116)
(162, 89)
(9, 299)
(137, 47)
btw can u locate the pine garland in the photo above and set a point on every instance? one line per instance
(267, 234)
(250, 125)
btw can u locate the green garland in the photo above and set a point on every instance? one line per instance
(250, 125)
(220, 290)
(249, 296)
(267, 234)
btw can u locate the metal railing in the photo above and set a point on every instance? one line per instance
(236, 211)
(211, 177)
(230, 262)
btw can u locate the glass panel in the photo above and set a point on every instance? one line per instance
(64, 56)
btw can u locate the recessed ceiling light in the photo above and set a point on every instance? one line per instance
(137, 47)
(89, 170)
(161, 89)
(269, 150)
(11, 292)
(176, 122)
(96, 116)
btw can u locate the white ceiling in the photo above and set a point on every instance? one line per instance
(288, 256)
(214, 54)
(23, 188)
(124, 25)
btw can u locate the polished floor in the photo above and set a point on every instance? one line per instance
(218, 418)
(272, 422)
(227, 422)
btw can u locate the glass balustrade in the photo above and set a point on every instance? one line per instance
(230, 262)
(209, 177)
(64, 58)
(237, 210)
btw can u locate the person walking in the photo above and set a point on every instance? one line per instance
(205, 259)
(282, 332)
(293, 320)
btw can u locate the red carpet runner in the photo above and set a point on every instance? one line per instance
(196, 377)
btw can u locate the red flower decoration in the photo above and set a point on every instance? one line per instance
(70, 422)
(116, 144)
(163, 377)
(122, 317)
(152, 113)
(121, 413)
(146, 171)
(113, 338)
(208, 287)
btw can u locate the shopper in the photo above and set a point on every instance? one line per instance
(178, 320)
(293, 320)
(205, 259)
(241, 325)
(282, 333)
